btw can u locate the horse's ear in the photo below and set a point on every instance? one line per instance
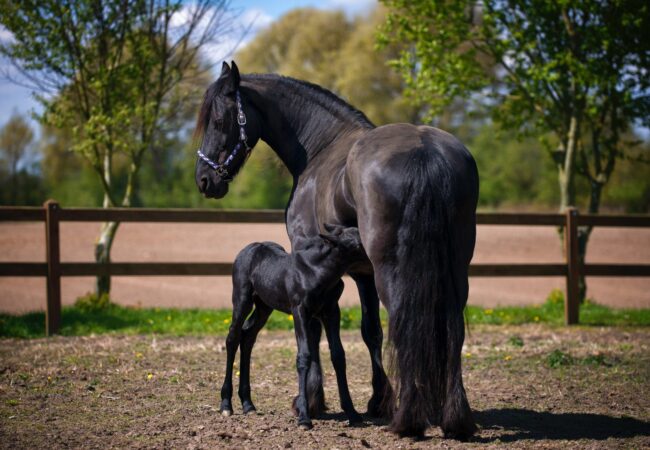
(232, 79)
(225, 69)
(234, 67)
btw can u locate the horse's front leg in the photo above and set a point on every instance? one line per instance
(382, 402)
(252, 327)
(303, 361)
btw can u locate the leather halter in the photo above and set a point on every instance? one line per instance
(224, 169)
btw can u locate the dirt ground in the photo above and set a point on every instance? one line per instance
(145, 242)
(162, 392)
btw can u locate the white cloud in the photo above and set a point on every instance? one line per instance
(352, 7)
(5, 35)
(239, 27)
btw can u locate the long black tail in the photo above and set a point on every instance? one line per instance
(426, 299)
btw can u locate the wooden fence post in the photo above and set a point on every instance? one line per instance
(52, 256)
(572, 302)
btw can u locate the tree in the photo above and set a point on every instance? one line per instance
(578, 72)
(15, 138)
(118, 70)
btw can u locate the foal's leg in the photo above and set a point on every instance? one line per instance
(382, 402)
(315, 391)
(332, 319)
(242, 303)
(249, 334)
(301, 318)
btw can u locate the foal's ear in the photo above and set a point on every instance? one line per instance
(334, 229)
(329, 238)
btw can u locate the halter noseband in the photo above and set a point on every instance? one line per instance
(224, 169)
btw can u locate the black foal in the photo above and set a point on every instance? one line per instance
(306, 281)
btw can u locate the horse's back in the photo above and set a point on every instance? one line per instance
(392, 166)
(387, 151)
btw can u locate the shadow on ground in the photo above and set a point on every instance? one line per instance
(517, 424)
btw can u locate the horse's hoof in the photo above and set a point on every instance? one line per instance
(226, 412)
(305, 426)
(355, 419)
(250, 411)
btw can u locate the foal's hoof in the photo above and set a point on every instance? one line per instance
(226, 412)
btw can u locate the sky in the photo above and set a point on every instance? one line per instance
(259, 14)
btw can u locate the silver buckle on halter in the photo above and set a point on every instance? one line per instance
(222, 172)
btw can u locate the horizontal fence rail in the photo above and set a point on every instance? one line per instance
(53, 269)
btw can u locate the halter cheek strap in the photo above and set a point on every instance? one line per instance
(224, 169)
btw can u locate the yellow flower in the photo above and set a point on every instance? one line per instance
(138, 355)
(169, 317)
(488, 311)
(149, 376)
(536, 318)
(290, 318)
(237, 374)
(468, 355)
(507, 358)
(226, 320)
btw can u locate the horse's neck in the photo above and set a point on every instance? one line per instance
(296, 126)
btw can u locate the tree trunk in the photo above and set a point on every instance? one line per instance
(107, 235)
(103, 255)
(584, 233)
(566, 178)
(109, 230)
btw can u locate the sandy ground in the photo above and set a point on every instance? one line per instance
(146, 392)
(137, 242)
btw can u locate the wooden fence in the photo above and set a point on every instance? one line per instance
(53, 269)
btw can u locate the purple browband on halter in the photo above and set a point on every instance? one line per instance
(223, 169)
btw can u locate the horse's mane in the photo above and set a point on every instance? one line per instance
(318, 95)
(203, 118)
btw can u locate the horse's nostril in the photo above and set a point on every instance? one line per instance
(204, 183)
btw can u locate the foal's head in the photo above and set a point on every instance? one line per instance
(229, 128)
(340, 244)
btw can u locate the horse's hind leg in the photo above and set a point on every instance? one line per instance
(332, 320)
(242, 302)
(457, 420)
(382, 402)
(249, 334)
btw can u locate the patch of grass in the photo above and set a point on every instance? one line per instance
(516, 341)
(99, 316)
(87, 318)
(558, 358)
(552, 312)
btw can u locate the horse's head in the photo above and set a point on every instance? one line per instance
(228, 128)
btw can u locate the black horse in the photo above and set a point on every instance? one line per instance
(411, 191)
(267, 278)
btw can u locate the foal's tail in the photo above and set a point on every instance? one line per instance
(426, 323)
